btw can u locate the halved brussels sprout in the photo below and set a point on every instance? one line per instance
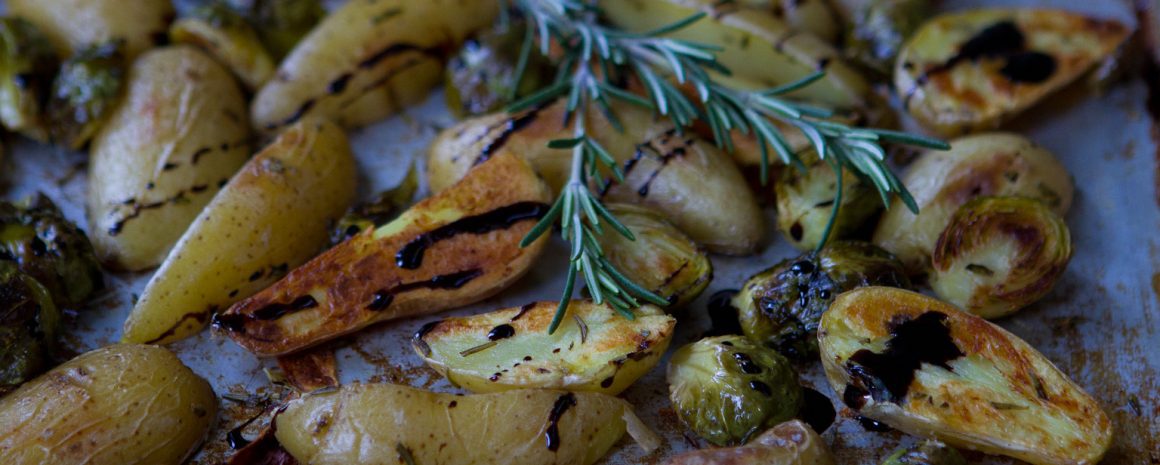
(805, 202)
(928, 452)
(879, 28)
(790, 443)
(661, 258)
(480, 78)
(1000, 254)
(282, 23)
(223, 33)
(728, 389)
(27, 64)
(29, 323)
(781, 306)
(84, 93)
(51, 249)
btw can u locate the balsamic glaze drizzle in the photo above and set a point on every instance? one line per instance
(886, 376)
(383, 298)
(411, 255)
(552, 435)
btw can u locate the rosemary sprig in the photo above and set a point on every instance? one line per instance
(592, 53)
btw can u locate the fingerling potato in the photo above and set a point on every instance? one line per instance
(225, 35)
(659, 257)
(175, 139)
(272, 216)
(122, 404)
(72, 25)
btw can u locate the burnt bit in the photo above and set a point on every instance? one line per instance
(410, 256)
(383, 298)
(886, 376)
(552, 435)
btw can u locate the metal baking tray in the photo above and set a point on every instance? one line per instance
(1101, 324)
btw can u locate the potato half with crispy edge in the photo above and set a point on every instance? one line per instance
(789, 443)
(452, 249)
(274, 215)
(594, 349)
(72, 25)
(979, 165)
(366, 60)
(926, 368)
(970, 70)
(386, 423)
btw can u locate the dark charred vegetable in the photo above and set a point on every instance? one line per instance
(39, 240)
(879, 29)
(729, 389)
(805, 203)
(29, 323)
(481, 78)
(928, 452)
(84, 92)
(781, 306)
(27, 63)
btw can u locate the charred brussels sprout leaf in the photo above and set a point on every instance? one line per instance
(481, 77)
(781, 306)
(29, 323)
(51, 249)
(728, 389)
(282, 23)
(1000, 254)
(84, 92)
(225, 34)
(928, 452)
(661, 259)
(805, 201)
(27, 63)
(880, 28)
(379, 211)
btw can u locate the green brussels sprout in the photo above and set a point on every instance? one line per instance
(928, 452)
(282, 23)
(782, 306)
(1000, 254)
(728, 389)
(85, 91)
(805, 202)
(880, 28)
(661, 259)
(39, 240)
(480, 77)
(27, 64)
(384, 208)
(29, 323)
(224, 33)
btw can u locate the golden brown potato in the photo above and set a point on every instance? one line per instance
(123, 404)
(805, 204)
(595, 348)
(979, 165)
(971, 70)
(452, 249)
(72, 25)
(386, 423)
(789, 443)
(367, 60)
(928, 369)
(659, 257)
(272, 216)
(174, 140)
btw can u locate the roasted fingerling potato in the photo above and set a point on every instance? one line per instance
(175, 139)
(926, 368)
(27, 64)
(84, 93)
(595, 348)
(789, 443)
(272, 216)
(659, 257)
(452, 249)
(224, 33)
(118, 405)
(73, 25)
(805, 204)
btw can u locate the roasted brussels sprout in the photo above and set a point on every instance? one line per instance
(29, 323)
(384, 208)
(84, 92)
(51, 249)
(928, 452)
(1000, 254)
(661, 258)
(27, 63)
(781, 306)
(481, 77)
(282, 23)
(224, 33)
(879, 28)
(728, 389)
(805, 202)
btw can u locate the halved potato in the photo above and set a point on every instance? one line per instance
(225, 34)
(72, 25)
(594, 348)
(926, 368)
(789, 443)
(452, 249)
(386, 423)
(658, 257)
(272, 216)
(970, 70)
(980, 165)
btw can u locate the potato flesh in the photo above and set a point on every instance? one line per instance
(1000, 396)
(177, 136)
(272, 216)
(659, 257)
(370, 423)
(72, 25)
(608, 356)
(122, 404)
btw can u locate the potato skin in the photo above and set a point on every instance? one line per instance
(75, 24)
(122, 404)
(172, 143)
(989, 164)
(370, 423)
(367, 60)
(272, 216)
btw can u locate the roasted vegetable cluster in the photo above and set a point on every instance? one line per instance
(29, 325)
(51, 249)
(85, 91)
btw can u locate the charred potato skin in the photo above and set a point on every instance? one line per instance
(50, 248)
(75, 24)
(805, 202)
(789, 443)
(659, 258)
(993, 164)
(168, 147)
(122, 404)
(272, 216)
(997, 396)
(360, 282)
(607, 354)
(29, 325)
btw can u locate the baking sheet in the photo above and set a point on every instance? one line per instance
(1099, 325)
